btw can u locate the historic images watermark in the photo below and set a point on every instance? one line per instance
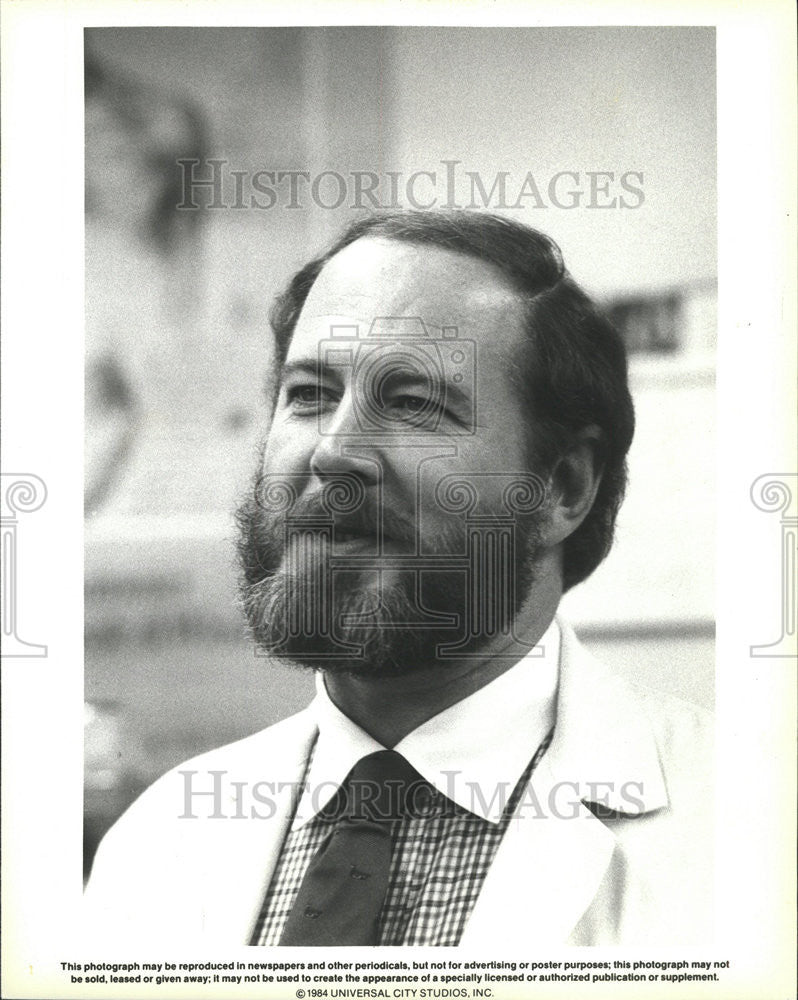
(22, 493)
(218, 184)
(777, 493)
(450, 558)
(218, 795)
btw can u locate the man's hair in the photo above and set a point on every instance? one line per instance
(572, 369)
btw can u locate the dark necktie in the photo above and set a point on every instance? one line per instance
(344, 887)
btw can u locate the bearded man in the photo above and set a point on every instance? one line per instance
(445, 458)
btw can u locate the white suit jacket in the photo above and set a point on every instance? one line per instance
(614, 845)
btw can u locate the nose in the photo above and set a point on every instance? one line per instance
(343, 448)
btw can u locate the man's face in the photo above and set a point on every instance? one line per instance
(396, 436)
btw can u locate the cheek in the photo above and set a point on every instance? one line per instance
(501, 449)
(498, 449)
(485, 465)
(287, 448)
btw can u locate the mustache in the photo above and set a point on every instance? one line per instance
(263, 532)
(372, 518)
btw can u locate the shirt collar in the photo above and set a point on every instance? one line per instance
(474, 752)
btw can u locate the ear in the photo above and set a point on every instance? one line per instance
(574, 484)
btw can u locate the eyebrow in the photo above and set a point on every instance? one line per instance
(302, 366)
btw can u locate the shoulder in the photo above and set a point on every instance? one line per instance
(172, 865)
(598, 689)
(609, 724)
(684, 735)
(677, 724)
(270, 755)
(658, 749)
(267, 749)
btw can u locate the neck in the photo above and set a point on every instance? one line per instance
(388, 708)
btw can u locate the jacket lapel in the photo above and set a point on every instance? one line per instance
(555, 852)
(547, 870)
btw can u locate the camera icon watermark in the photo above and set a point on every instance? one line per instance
(403, 377)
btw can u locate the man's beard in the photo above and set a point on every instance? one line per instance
(352, 620)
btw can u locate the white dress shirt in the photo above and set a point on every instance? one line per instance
(473, 752)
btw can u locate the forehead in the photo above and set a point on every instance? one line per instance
(376, 277)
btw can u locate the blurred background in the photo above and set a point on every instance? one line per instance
(178, 346)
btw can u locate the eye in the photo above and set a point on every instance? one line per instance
(409, 405)
(307, 397)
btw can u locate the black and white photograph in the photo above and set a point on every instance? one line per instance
(407, 568)
(438, 323)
